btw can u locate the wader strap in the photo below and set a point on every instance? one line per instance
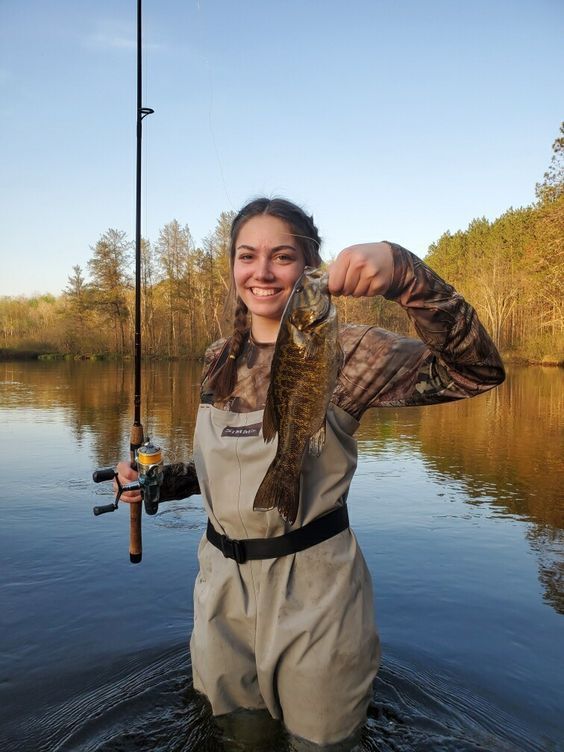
(314, 532)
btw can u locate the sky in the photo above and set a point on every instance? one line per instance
(388, 120)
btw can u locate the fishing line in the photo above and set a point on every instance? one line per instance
(307, 237)
(145, 145)
(145, 239)
(204, 36)
(216, 150)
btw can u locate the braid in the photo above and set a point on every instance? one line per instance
(224, 379)
(301, 225)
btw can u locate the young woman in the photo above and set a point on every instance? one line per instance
(284, 614)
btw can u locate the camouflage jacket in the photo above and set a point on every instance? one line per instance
(454, 358)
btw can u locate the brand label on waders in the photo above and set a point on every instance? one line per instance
(236, 431)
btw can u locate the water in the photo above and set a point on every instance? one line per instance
(459, 512)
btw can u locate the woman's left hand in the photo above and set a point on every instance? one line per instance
(362, 270)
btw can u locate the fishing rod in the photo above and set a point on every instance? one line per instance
(145, 457)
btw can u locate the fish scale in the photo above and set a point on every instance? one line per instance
(305, 365)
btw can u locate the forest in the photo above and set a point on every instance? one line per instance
(511, 269)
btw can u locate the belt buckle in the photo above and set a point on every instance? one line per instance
(233, 549)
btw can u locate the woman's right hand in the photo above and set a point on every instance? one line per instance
(362, 270)
(125, 475)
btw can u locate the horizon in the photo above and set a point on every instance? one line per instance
(400, 122)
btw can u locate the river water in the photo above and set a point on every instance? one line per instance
(458, 509)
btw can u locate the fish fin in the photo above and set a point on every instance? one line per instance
(269, 419)
(317, 441)
(288, 506)
(312, 346)
(264, 499)
(280, 491)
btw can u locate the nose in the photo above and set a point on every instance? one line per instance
(263, 270)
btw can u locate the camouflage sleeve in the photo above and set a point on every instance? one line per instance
(453, 359)
(179, 481)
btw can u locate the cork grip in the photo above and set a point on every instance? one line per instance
(135, 545)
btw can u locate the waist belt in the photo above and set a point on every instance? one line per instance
(304, 537)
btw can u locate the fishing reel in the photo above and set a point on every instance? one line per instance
(149, 465)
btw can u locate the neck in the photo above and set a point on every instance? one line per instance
(264, 331)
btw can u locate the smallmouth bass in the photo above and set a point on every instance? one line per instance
(306, 361)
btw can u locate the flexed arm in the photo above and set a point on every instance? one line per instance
(454, 357)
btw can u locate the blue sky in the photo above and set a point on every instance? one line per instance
(387, 120)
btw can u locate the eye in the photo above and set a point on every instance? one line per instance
(300, 288)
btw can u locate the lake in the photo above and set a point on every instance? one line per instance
(458, 509)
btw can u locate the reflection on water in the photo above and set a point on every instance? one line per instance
(458, 509)
(507, 445)
(505, 450)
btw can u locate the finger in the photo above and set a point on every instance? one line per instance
(131, 497)
(362, 288)
(126, 472)
(126, 495)
(336, 277)
(353, 279)
(370, 283)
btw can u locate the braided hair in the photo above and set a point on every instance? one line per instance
(306, 234)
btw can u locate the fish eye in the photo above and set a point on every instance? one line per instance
(300, 288)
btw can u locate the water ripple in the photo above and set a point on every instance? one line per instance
(152, 707)
(181, 517)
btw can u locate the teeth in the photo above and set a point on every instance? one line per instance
(262, 293)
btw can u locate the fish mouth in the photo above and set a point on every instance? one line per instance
(306, 318)
(320, 313)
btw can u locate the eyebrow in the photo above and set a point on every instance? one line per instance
(282, 247)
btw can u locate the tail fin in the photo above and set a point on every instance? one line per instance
(279, 489)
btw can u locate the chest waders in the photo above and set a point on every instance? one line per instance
(293, 633)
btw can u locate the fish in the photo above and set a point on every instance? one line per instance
(305, 365)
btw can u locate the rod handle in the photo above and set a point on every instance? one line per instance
(104, 473)
(103, 509)
(135, 545)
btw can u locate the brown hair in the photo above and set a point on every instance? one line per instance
(303, 228)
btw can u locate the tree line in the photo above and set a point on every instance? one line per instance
(511, 269)
(183, 292)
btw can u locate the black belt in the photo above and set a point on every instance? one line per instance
(304, 537)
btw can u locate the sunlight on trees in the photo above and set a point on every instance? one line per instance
(511, 269)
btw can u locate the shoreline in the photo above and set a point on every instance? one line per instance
(14, 355)
(7, 355)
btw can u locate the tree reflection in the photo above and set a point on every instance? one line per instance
(504, 448)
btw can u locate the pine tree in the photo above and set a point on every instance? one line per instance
(110, 281)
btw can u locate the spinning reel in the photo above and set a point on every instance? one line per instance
(149, 465)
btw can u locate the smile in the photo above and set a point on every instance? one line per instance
(262, 292)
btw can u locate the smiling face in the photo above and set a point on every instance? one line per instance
(266, 265)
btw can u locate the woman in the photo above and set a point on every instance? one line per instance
(294, 634)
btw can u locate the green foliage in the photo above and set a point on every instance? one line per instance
(552, 186)
(111, 283)
(511, 269)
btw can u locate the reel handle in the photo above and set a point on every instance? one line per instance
(103, 474)
(99, 476)
(105, 508)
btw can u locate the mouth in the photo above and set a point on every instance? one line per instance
(264, 292)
